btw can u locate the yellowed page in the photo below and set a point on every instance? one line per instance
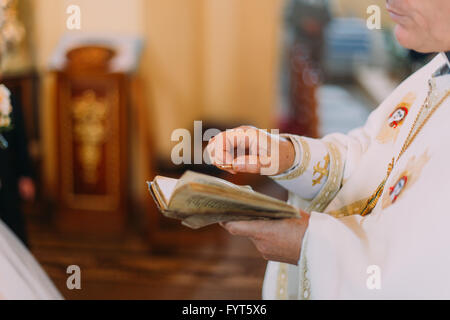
(166, 187)
(205, 184)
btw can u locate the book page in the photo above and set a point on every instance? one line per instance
(206, 185)
(189, 201)
(166, 187)
(194, 177)
(201, 200)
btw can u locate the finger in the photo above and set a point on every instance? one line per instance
(250, 229)
(245, 138)
(246, 127)
(217, 154)
(222, 149)
(251, 164)
(231, 144)
(218, 162)
(239, 138)
(210, 152)
(247, 164)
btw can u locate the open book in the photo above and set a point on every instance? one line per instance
(200, 200)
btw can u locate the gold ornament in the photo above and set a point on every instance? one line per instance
(89, 115)
(323, 171)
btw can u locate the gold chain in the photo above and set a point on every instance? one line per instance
(411, 136)
(372, 202)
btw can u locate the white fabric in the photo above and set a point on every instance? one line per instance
(21, 277)
(303, 185)
(408, 239)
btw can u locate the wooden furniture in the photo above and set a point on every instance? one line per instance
(91, 125)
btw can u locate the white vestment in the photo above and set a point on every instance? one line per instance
(400, 250)
(21, 277)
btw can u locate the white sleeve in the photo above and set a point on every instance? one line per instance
(321, 165)
(302, 178)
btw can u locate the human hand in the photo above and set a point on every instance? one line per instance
(250, 150)
(27, 189)
(276, 240)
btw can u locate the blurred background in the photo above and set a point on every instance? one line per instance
(99, 86)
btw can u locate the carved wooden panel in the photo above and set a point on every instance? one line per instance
(92, 164)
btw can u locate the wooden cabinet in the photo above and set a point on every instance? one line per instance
(91, 125)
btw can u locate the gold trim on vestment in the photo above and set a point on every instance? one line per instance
(333, 183)
(282, 282)
(328, 192)
(350, 209)
(304, 162)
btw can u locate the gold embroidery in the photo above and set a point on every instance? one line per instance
(350, 209)
(328, 192)
(333, 183)
(410, 175)
(425, 113)
(305, 284)
(390, 127)
(323, 171)
(304, 163)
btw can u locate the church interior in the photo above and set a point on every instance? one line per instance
(102, 85)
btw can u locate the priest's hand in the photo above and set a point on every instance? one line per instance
(250, 150)
(276, 240)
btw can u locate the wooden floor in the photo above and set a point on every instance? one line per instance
(206, 264)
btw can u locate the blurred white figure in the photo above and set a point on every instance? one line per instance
(21, 277)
